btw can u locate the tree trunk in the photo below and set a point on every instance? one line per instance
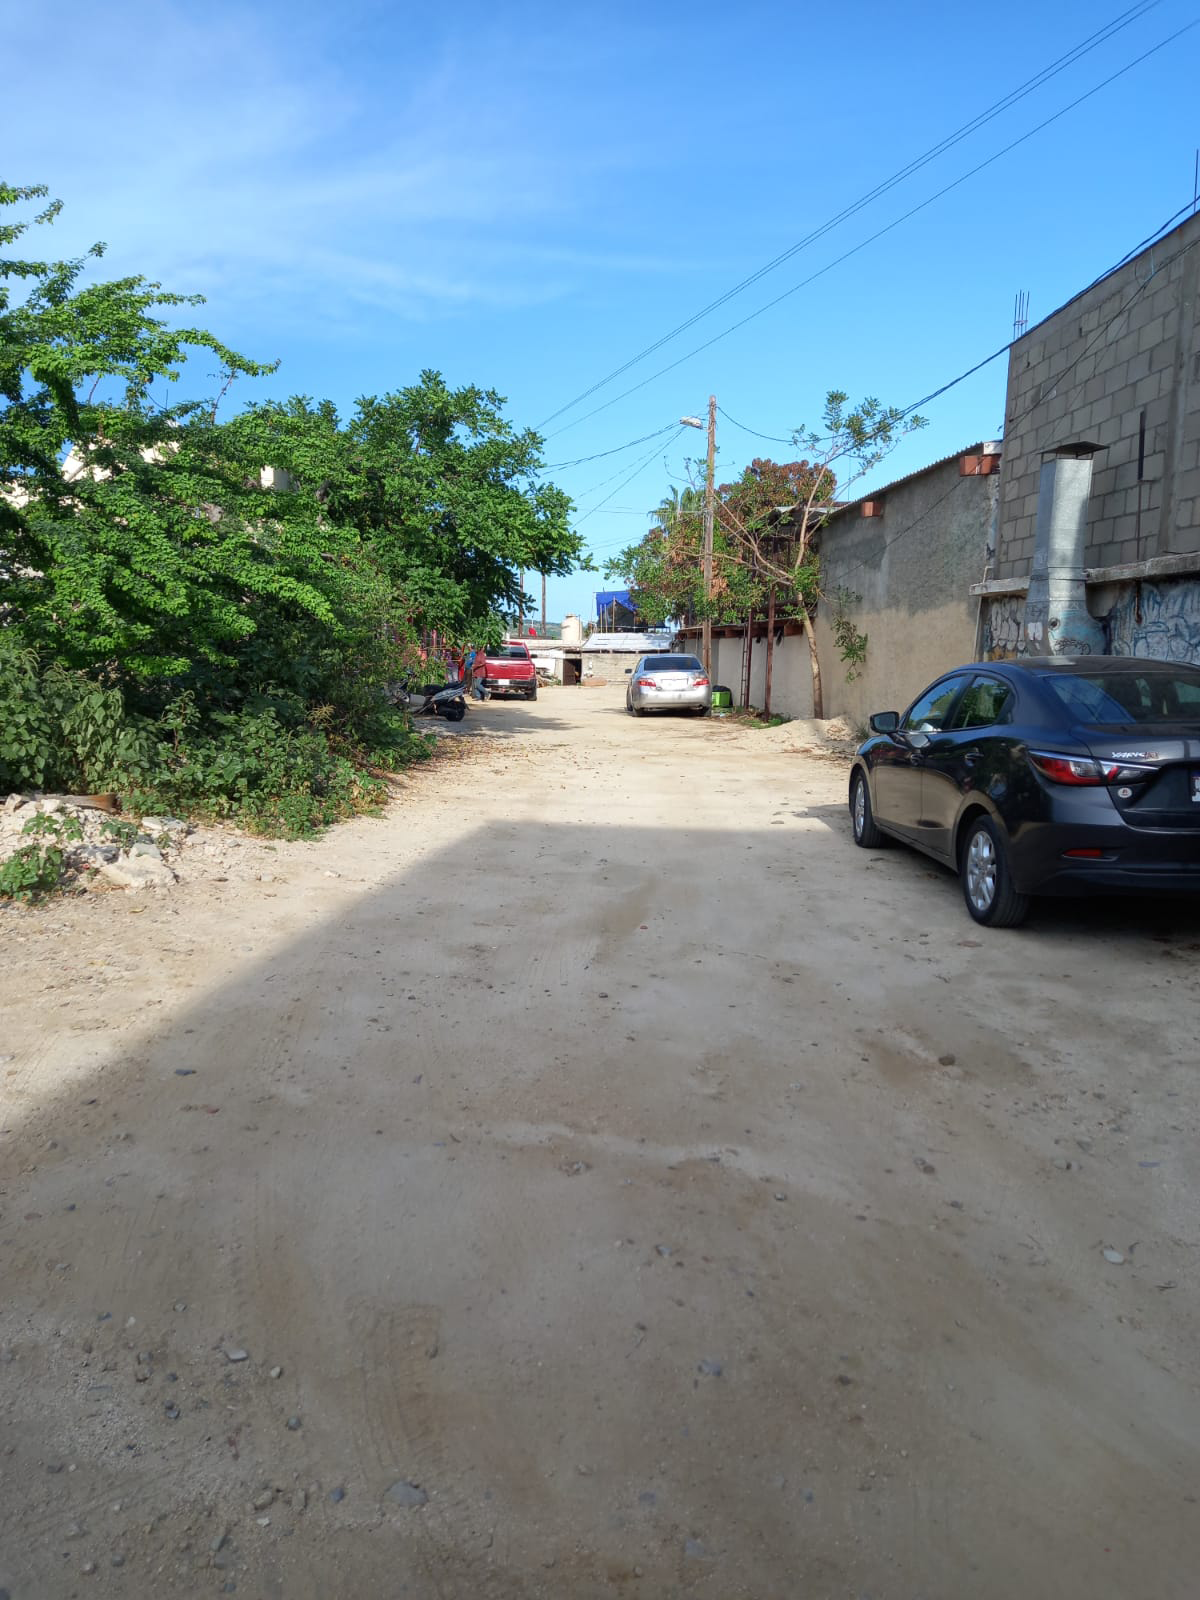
(814, 662)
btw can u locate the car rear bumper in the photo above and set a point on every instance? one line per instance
(509, 685)
(672, 699)
(1133, 861)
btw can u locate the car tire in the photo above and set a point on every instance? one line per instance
(702, 711)
(867, 834)
(986, 880)
(532, 695)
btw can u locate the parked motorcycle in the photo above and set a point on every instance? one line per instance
(447, 700)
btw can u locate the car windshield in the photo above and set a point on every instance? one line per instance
(671, 664)
(1109, 698)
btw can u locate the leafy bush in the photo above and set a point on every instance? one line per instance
(31, 871)
(63, 830)
(255, 769)
(62, 730)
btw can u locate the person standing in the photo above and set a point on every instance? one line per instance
(478, 669)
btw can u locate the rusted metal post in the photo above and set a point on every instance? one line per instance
(770, 649)
(748, 658)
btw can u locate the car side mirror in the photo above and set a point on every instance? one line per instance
(885, 722)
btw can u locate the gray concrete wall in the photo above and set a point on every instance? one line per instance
(791, 677)
(1128, 345)
(911, 569)
(604, 666)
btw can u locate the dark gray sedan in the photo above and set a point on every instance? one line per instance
(668, 683)
(1042, 776)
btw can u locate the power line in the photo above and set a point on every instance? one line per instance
(936, 394)
(604, 482)
(889, 227)
(1076, 53)
(772, 438)
(1101, 332)
(641, 466)
(554, 466)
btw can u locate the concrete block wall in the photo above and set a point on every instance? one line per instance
(605, 666)
(791, 676)
(911, 570)
(1126, 346)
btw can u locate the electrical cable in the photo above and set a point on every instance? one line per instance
(641, 466)
(1100, 333)
(604, 482)
(936, 394)
(1076, 53)
(889, 227)
(553, 466)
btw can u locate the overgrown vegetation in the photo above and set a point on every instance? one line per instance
(211, 615)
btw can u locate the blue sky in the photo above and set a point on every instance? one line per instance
(524, 196)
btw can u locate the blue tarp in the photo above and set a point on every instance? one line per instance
(610, 597)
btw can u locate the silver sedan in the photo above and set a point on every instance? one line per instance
(668, 683)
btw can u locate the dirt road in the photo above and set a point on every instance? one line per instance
(617, 1185)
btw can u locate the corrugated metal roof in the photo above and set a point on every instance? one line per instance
(634, 643)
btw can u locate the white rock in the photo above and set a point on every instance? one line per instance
(138, 872)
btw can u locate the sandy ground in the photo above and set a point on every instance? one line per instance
(637, 1190)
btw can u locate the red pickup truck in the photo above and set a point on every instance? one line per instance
(510, 670)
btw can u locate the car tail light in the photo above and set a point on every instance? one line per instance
(1085, 855)
(1083, 771)
(645, 683)
(699, 683)
(1115, 773)
(1076, 770)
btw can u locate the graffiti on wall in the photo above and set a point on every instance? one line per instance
(1156, 621)
(1002, 636)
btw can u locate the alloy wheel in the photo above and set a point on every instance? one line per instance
(981, 870)
(860, 807)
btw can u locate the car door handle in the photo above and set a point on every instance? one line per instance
(970, 757)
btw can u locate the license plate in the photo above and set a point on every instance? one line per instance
(1196, 788)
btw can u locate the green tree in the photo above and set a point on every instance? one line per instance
(276, 563)
(783, 548)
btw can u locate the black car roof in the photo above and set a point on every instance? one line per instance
(1112, 665)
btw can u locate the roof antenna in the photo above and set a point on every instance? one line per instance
(1020, 313)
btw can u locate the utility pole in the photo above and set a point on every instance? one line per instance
(709, 507)
(543, 602)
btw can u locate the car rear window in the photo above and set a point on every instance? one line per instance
(509, 652)
(1120, 697)
(671, 664)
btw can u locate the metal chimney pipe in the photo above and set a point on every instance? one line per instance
(1057, 620)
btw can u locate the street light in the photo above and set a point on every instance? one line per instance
(691, 422)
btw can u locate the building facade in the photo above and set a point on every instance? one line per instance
(1112, 379)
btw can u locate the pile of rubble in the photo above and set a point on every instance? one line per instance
(99, 847)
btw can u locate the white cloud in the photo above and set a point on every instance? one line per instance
(232, 153)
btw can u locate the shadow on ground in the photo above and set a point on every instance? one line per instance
(571, 1217)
